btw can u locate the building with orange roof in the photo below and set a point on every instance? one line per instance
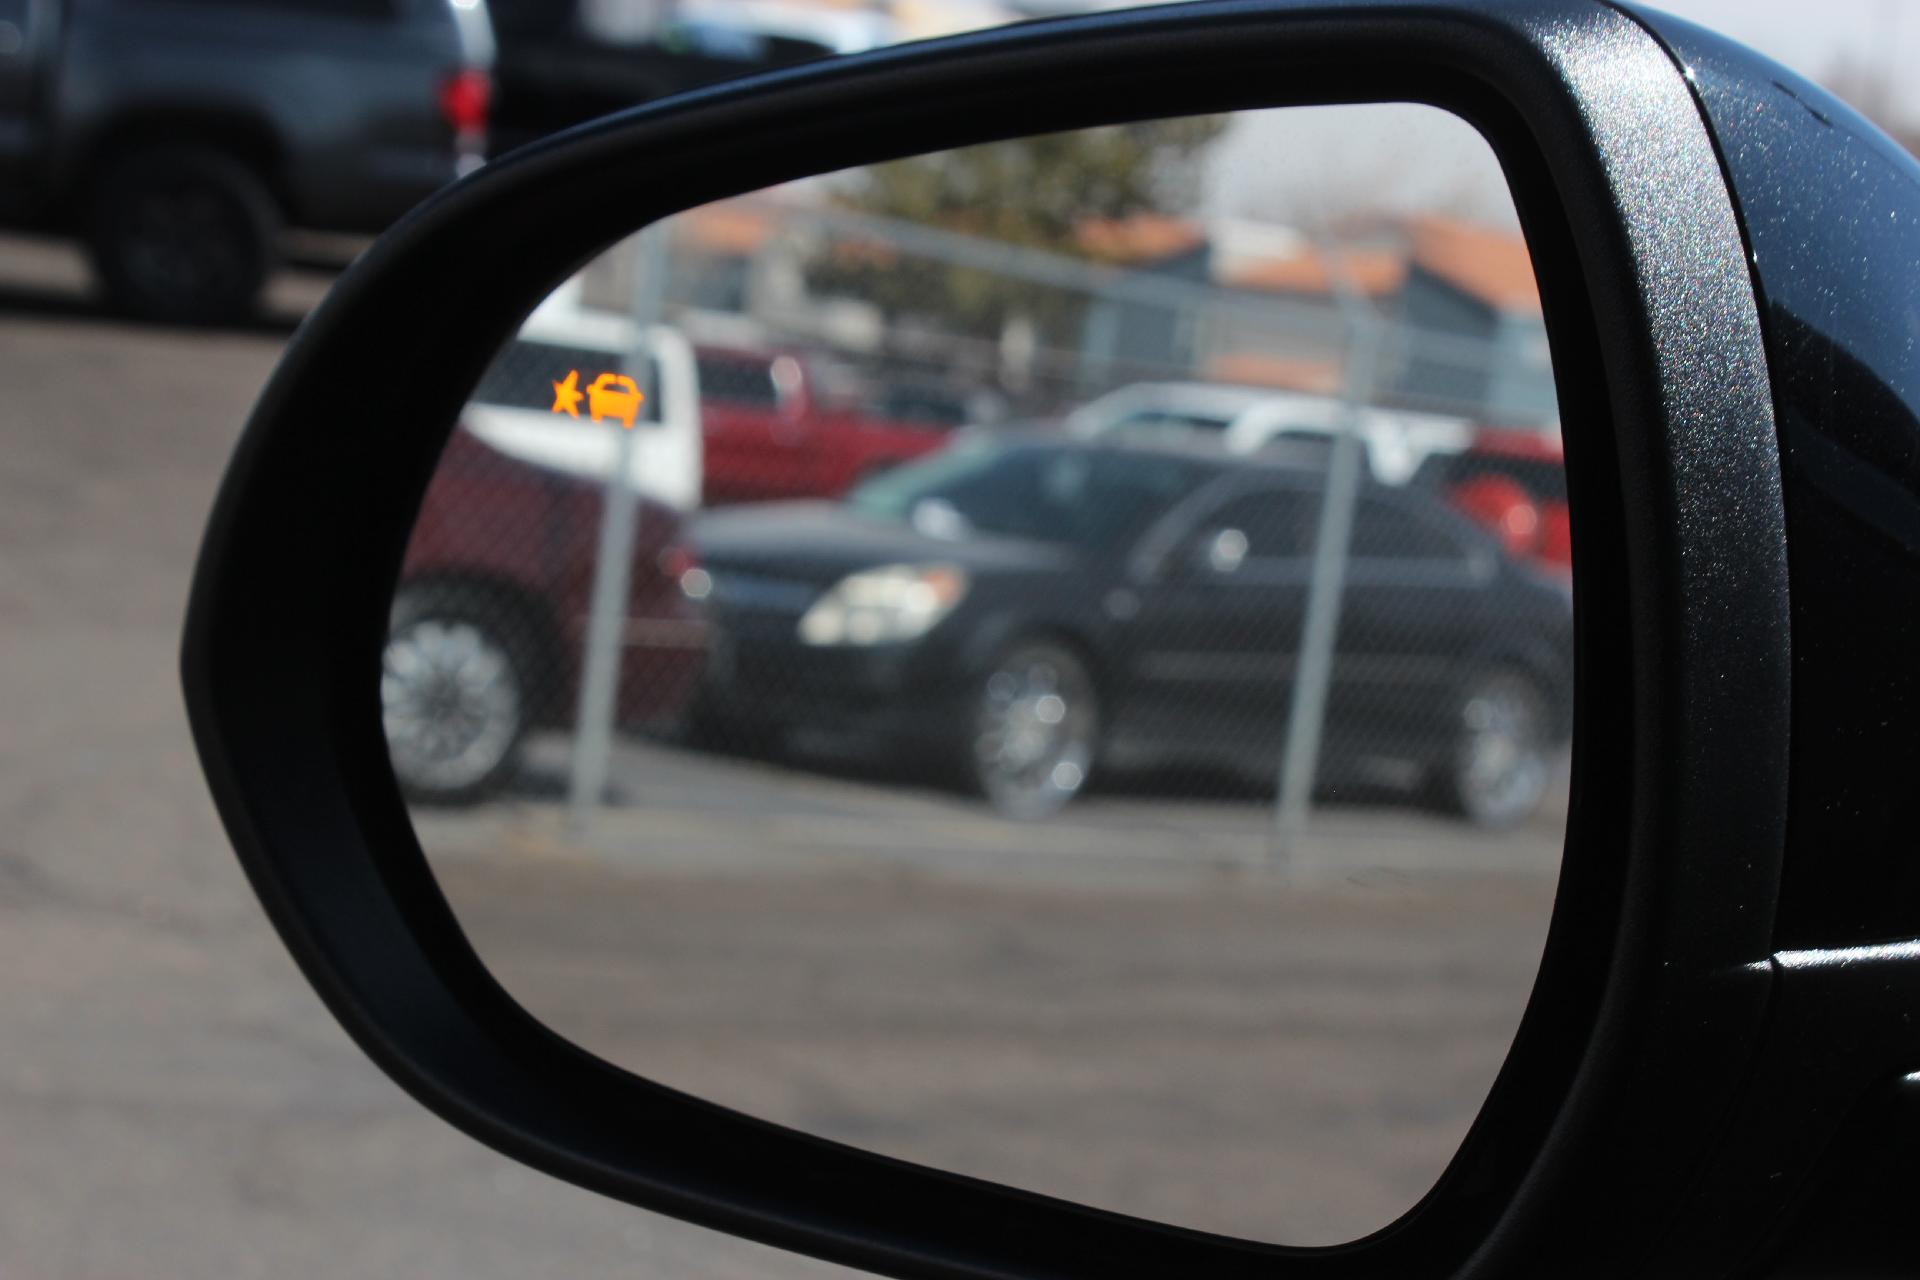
(1166, 298)
(1374, 274)
(1477, 283)
(1143, 239)
(1491, 266)
(1470, 287)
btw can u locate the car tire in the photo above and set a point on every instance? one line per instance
(181, 235)
(455, 695)
(1497, 771)
(1032, 729)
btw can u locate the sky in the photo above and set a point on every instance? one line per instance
(1310, 167)
(1315, 166)
(1815, 36)
(1810, 36)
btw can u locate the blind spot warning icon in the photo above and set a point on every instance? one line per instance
(614, 395)
(611, 395)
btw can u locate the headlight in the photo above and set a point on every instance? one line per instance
(884, 606)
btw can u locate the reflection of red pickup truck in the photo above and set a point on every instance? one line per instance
(1514, 483)
(772, 431)
(490, 616)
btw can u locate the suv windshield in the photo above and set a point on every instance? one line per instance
(1050, 493)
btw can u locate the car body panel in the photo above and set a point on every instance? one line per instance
(338, 109)
(771, 433)
(1831, 206)
(1251, 419)
(526, 537)
(1191, 664)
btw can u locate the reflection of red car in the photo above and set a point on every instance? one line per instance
(1514, 483)
(490, 616)
(771, 430)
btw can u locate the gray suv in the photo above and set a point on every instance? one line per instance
(177, 138)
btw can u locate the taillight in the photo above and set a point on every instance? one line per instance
(465, 96)
(1504, 507)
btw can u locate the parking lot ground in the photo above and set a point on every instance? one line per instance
(673, 808)
(175, 1104)
(1126, 1004)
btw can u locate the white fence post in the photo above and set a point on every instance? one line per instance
(1320, 629)
(612, 570)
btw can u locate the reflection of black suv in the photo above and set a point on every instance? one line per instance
(176, 137)
(1028, 609)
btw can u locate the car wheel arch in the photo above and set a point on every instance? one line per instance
(537, 623)
(240, 134)
(1001, 634)
(1533, 657)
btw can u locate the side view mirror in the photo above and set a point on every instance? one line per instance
(1727, 999)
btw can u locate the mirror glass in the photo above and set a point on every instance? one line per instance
(1050, 660)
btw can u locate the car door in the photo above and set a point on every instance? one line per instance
(1210, 652)
(1413, 615)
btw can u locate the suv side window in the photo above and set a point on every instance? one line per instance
(1150, 422)
(736, 381)
(1279, 524)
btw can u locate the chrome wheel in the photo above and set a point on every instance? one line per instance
(1501, 770)
(451, 701)
(1035, 730)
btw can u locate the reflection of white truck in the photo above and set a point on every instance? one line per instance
(513, 409)
(1248, 419)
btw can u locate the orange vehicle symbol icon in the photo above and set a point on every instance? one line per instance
(614, 395)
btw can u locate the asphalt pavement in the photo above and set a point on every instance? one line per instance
(175, 1104)
(1137, 1004)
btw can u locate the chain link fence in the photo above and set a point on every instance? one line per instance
(1159, 515)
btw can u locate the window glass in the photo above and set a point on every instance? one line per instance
(1277, 524)
(1043, 491)
(859, 661)
(1151, 421)
(738, 380)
